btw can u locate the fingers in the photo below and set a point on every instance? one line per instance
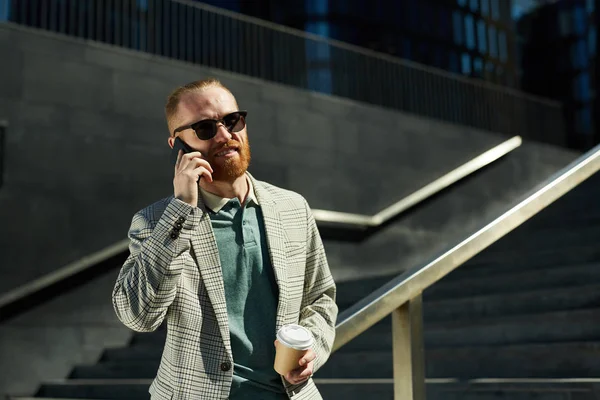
(193, 160)
(179, 154)
(300, 375)
(307, 357)
(194, 165)
(200, 172)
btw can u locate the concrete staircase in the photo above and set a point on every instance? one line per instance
(519, 321)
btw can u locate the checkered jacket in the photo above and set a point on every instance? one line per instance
(174, 273)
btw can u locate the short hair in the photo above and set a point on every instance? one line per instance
(196, 86)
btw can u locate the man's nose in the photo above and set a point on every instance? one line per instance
(223, 135)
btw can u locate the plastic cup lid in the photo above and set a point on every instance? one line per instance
(295, 336)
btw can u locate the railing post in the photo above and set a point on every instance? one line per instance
(408, 353)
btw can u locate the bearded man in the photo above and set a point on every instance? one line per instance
(227, 260)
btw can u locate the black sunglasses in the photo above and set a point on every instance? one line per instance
(207, 128)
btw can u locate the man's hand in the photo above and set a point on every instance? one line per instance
(304, 370)
(190, 167)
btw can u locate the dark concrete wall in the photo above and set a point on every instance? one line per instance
(86, 146)
(45, 343)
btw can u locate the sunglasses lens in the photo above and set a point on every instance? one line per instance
(205, 129)
(234, 122)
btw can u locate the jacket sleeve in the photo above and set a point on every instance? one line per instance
(318, 311)
(147, 283)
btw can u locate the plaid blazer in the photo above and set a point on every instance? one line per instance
(173, 272)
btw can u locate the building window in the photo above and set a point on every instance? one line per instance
(406, 48)
(495, 9)
(461, 3)
(466, 64)
(423, 54)
(581, 87)
(485, 8)
(502, 46)
(493, 41)
(457, 22)
(590, 6)
(509, 79)
(478, 67)
(579, 55)
(474, 5)
(318, 54)
(454, 62)
(469, 32)
(490, 67)
(564, 22)
(592, 41)
(445, 29)
(318, 7)
(414, 16)
(579, 21)
(426, 15)
(583, 121)
(4, 10)
(499, 75)
(438, 57)
(481, 39)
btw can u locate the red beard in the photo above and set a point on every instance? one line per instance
(229, 169)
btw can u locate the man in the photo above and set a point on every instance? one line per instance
(227, 260)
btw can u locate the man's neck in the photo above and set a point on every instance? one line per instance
(238, 188)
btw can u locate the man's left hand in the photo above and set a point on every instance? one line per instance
(305, 369)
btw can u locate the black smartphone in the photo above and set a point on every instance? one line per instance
(179, 145)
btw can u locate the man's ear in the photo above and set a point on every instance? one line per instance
(171, 141)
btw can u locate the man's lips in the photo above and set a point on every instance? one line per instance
(227, 151)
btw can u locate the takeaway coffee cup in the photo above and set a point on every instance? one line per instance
(294, 340)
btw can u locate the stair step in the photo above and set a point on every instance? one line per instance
(497, 262)
(562, 326)
(446, 389)
(493, 280)
(557, 277)
(437, 389)
(96, 389)
(116, 370)
(554, 360)
(527, 302)
(43, 398)
(496, 304)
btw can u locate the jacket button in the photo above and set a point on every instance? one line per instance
(174, 235)
(181, 220)
(178, 226)
(225, 366)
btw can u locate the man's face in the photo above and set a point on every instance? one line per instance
(213, 103)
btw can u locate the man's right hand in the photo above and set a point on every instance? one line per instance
(189, 168)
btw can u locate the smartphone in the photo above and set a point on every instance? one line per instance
(179, 145)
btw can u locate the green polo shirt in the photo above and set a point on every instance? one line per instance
(251, 293)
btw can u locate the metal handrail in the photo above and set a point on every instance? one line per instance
(402, 296)
(385, 215)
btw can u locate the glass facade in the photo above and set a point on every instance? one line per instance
(445, 34)
(558, 48)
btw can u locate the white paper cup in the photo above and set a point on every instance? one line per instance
(293, 341)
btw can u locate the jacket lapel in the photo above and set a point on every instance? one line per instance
(206, 251)
(276, 242)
